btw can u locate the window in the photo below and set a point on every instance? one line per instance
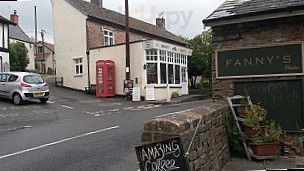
(177, 74)
(162, 55)
(78, 66)
(152, 73)
(40, 49)
(165, 67)
(33, 79)
(170, 74)
(151, 55)
(12, 78)
(163, 73)
(184, 76)
(3, 77)
(108, 38)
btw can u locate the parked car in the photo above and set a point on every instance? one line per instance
(21, 86)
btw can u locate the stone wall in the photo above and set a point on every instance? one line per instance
(209, 150)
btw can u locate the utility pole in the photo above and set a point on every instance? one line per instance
(128, 70)
(35, 45)
(43, 62)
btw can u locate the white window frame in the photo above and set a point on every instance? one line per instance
(107, 36)
(78, 62)
(166, 57)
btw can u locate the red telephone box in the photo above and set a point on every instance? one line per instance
(105, 78)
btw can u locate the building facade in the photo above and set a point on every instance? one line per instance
(258, 51)
(157, 57)
(16, 34)
(4, 44)
(46, 62)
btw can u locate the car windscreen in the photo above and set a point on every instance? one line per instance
(33, 79)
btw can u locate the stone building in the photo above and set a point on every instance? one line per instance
(85, 33)
(258, 51)
(45, 58)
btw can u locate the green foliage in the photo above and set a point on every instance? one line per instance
(255, 115)
(235, 137)
(272, 133)
(18, 57)
(199, 64)
(174, 94)
(199, 85)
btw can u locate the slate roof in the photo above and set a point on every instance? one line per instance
(15, 32)
(103, 14)
(4, 20)
(232, 9)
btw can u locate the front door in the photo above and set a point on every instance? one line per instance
(184, 83)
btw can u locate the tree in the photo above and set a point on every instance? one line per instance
(199, 64)
(18, 57)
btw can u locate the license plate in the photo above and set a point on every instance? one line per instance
(38, 94)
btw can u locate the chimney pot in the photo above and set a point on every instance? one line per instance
(161, 22)
(15, 17)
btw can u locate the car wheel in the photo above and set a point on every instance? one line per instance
(17, 99)
(43, 100)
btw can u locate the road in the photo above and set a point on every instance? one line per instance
(90, 133)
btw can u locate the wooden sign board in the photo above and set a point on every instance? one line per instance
(166, 155)
(260, 62)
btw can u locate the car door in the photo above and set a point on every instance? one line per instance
(3, 84)
(12, 84)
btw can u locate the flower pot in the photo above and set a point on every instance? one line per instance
(250, 131)
(265, 149)
(241, 112)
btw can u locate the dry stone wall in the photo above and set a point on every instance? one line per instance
(209, 150)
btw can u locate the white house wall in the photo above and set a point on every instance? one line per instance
(70, 40)
(5, 61)
(117, 54)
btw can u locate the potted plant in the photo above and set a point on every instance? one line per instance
(267, 143)
(241, 110)
(174, 94)
(254, 116)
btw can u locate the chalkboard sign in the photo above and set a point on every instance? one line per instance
(282, 99)
(165, 156)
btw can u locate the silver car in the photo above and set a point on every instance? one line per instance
(21, 86)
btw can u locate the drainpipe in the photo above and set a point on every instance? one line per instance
(88, 61)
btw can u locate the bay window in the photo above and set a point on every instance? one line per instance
(165, 67)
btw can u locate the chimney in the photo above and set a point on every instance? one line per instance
(15, 17)
(97, 2)
(161, 22)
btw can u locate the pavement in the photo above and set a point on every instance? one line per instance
(242, 163)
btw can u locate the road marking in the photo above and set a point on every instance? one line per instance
(67, 107)
(58, 142)
(50, 102)
(173, 113)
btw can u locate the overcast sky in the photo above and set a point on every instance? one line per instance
(183, 17)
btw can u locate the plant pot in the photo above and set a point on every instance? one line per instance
(265, 149)
(250, 131)
(241, 112)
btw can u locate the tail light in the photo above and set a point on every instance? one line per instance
(25, 85)
(46, 84)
